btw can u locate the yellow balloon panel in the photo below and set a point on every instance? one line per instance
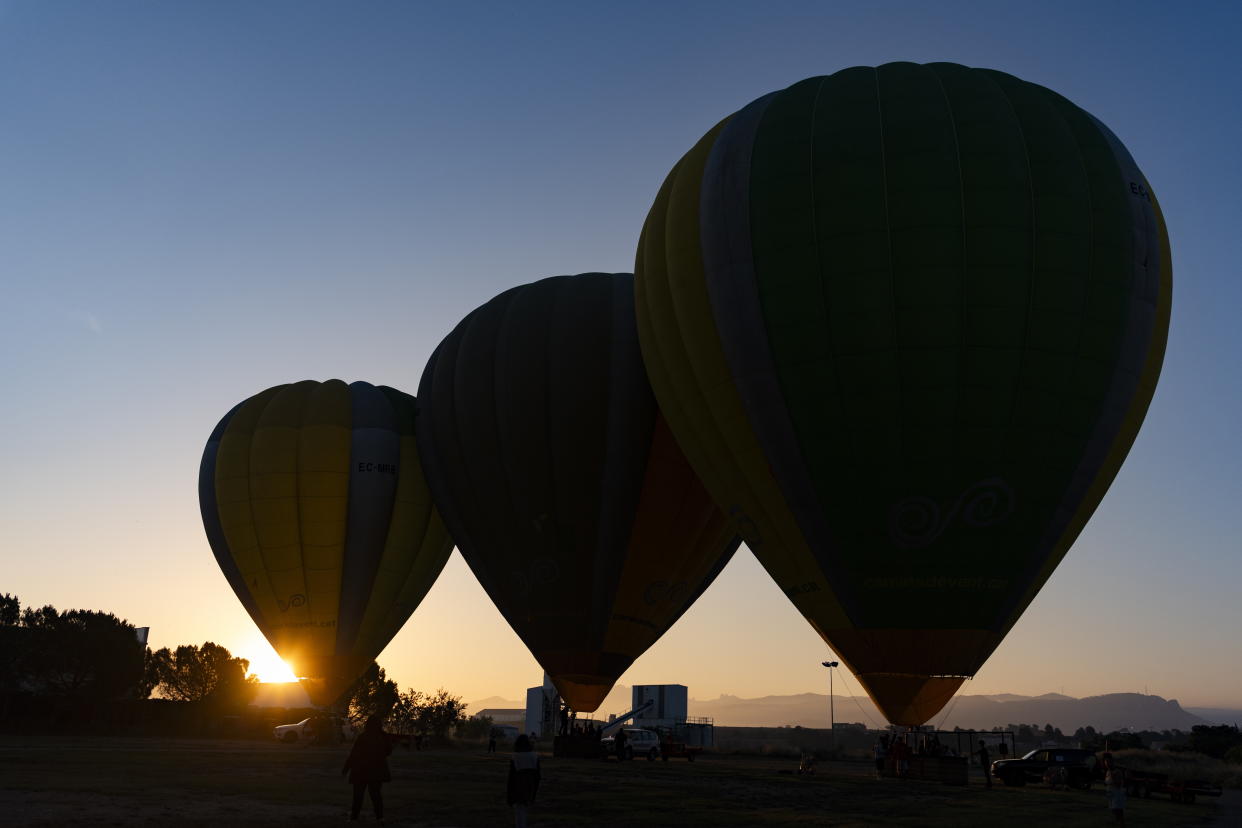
(689, 375)
(314, 503)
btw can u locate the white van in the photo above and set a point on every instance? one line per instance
(639, 743)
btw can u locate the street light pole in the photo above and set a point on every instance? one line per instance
(832, 716)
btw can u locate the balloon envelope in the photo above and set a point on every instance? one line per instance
(559, 481)
(315, 506)
(906, 321)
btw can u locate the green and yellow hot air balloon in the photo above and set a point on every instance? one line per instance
(905, 322)
(315, 506)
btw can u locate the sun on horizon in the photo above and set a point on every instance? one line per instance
(265, 663)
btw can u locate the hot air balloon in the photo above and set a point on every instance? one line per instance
(560, 482)
(905, 322)
(315, 506)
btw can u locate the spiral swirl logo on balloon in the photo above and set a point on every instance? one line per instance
(917, 522)
(295, 600)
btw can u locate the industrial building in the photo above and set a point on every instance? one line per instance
(657, 707)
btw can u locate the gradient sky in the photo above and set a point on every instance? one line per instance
(199, 201)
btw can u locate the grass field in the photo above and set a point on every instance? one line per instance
(200, 782)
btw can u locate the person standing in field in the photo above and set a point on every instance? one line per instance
(880, 752)
(621, 740)
(523, 781)
(900, 751)
(367, 767)
(985, 762)
(1115, 788)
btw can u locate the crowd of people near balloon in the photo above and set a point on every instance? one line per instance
(894, 328)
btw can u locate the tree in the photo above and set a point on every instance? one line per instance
(10, 610)
(1214, 741)
(372, 694)
(81, 653)
(1118, 740)
(13, 643)
(153, 666)
(405, 713)
(1023, 733)
(440, 713)
(412, 711)
(203, 674)
(475, 727)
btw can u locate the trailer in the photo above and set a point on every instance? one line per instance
(1144, 783)
(674, 749)
(686, 737)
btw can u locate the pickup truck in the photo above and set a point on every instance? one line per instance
(1080, 767)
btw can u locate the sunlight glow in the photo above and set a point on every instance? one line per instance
(265, 663)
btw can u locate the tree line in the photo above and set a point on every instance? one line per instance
(1218, 741)
(409, 712)
(87, 655)
(79, 659)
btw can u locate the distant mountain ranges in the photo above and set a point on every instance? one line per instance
(1114, 711)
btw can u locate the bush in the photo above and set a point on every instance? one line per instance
(475, 728)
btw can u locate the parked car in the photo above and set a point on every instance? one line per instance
(639, 743)
(338, 730)
(1079, 766)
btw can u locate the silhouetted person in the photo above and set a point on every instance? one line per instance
(1115, 788)
(491, 741)
(622, 740)
(985, 761)
(900, 750)
(523, 779)
(367, 767)
(880, 752)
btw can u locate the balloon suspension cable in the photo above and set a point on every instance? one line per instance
(878, 726)
(956, 698)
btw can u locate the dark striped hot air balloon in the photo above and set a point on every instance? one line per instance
(559, 481)
(905, 322)
(315, 506)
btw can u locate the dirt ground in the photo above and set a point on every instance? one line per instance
(97, 781)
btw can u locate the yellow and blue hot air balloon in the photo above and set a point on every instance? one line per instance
(561, 484)
(315, 506)
(905, 322)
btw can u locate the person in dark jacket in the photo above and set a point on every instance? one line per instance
(367, 767)
(523, 779)
(985, 762)
(620, 741)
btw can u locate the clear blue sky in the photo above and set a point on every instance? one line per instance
(198, 201)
